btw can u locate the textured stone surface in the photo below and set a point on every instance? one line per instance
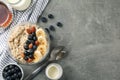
(91, 34)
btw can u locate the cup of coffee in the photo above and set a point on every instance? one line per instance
(54, 71)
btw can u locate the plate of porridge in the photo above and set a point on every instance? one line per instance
(28, 43)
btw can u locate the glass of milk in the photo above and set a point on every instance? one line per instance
(19, 4)
(54, 71)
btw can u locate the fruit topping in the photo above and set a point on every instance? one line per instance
(26, 57)
(33, 29)
(28, 31)
(37, 42)
(30, 46)
(34, 38)
(26, 47)
(30, 37)
(29, 60)
(34, 47)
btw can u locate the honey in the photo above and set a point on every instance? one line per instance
(5, 15)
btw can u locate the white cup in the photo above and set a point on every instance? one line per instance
(54, 71)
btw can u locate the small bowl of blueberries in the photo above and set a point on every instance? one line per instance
(12, 71)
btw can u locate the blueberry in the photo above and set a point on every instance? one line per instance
(8, 78)
(44, 19)
(13, 70)
(19, 74)
(26, 47)
(34, 47)
(11, 66)
(50, 16)
(52, 28)
(32, 41)
(34, 38)
(5, 74)
(47, 30)
(26, 53)
(6, 68)
(17, 69)
(15, 75)
(28, 42)
(31, 51)
(9, 72)
(33, 34)
(51, 37)
(30, 37)
(31, 56)
(26, 57)
(59, 24)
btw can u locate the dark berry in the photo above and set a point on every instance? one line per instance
(33, 34)
(8, 78)
(6, 68)
(31, 56)
(51, 37)
(19, 74)
(34, 47)
(26, 53)
(59, 24)
(26, 47)
(31, 51)
(32, 41)
(44, 19)
(28, 42)
(5, 74)
(50, 16)
(26, 57)
(17, 69)
(13, 71)
(52, 28)
(30, 37)
(34, 38)
(15, 75)
(11, 66)
(47, 30)
(9, 72)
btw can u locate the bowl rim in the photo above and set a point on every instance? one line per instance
(16, 65)
(48, 49)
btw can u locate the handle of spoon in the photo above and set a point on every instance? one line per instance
(36, 71)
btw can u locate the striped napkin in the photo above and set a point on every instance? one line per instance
(29, 15)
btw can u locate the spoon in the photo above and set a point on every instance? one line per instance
(56, 54)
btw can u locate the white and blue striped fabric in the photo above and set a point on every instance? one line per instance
(29, 15)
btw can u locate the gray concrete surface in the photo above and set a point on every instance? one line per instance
(91, 34)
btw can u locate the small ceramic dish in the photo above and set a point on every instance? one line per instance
(12, 71)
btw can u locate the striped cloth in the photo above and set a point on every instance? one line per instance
(29, 15)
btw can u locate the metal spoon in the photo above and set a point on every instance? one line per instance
(56, 54)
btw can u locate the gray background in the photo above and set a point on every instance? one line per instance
(91, 34)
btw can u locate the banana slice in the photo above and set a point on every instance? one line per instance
(40, 32)
(37, 56)
(42, 49)
(42, 41)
